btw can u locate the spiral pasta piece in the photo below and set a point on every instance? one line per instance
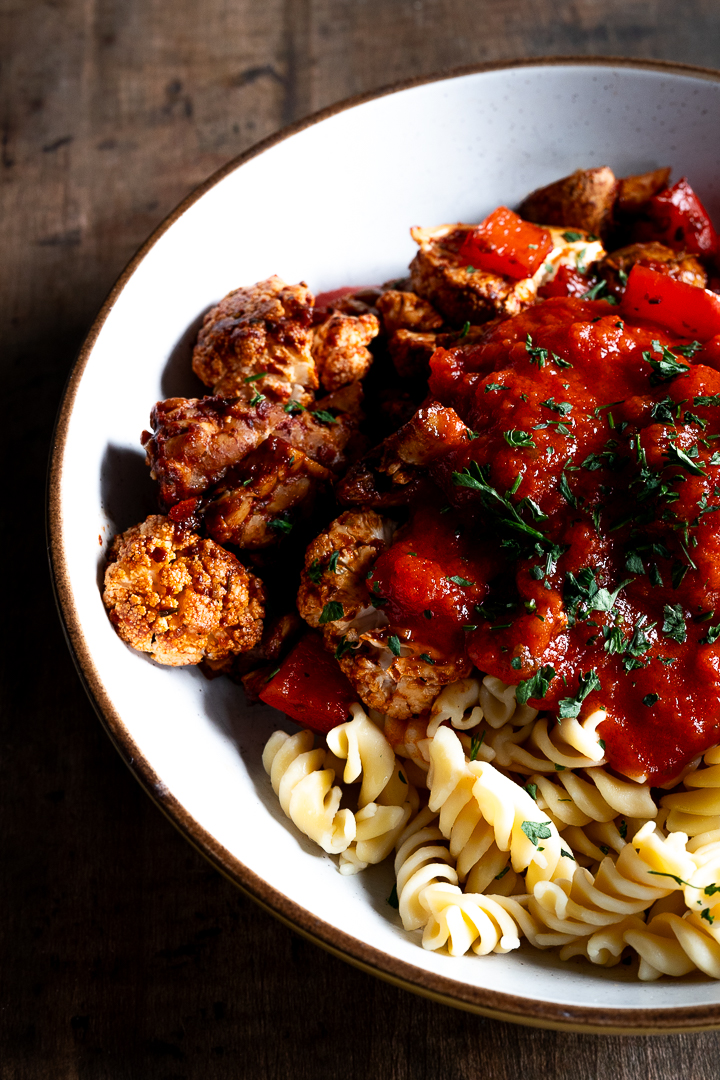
(305, 790)
(646, 870)
(697, 809)
(367, 752)
(479, 806)
(378, 824)
(463, 921)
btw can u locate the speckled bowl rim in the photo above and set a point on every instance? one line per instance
(485, 1002)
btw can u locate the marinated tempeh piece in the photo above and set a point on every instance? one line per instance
(583, 200)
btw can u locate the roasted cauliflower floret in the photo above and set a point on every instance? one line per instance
(336, 597)
(407, 311)
(260, 330)
(257, 507)
(340, 348)
(180, 598)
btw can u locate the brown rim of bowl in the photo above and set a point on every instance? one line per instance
(499, 1006)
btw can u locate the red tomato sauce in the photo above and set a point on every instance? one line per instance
(585, 513)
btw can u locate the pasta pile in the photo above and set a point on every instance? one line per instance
(504, 830)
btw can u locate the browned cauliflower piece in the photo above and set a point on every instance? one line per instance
(178, 597)
(407, 311)
(252, 508)
(334, 583)
(340, 348)
(328, 433)
(260, 330)
(584, 200)
(461, 293)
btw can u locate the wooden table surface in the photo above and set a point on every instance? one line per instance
(123, 953)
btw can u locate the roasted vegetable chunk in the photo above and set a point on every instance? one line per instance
(180, 598)
(260, 330)
(679, 265)
(196, 441)
(340, 348)
(256, 508)
(583, 200)
(406, 311)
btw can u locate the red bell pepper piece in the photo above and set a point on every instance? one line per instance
(310, 687)
(567, 282)
(685, 309)
(505, 244)
(679, 219)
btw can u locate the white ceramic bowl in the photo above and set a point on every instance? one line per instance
(331, 201)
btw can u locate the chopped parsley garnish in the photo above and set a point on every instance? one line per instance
(532, 791)
(712, 635)
(394, 644)
(570, 707)
(536, 686)
(315, 572)
(461, 581)
(293, 407)
(572, 237)
(502, 873)
(475, 478)
(536, 830)
(676, 456)
(254, 378)
(705, 914)
(281, 525)
(674, 623)
(650, 700)
(344, 646)
(272, 675)
(666, 367)
(541, 356)
(516, 437)
(567, 854)
(332, 565)
(711, 399)
(561, 407)
(494, 386)
(475, 745)
(256, 398)
(324, 416)
(331, 612)
(427, 658)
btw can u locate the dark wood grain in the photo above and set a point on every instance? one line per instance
(123, 954)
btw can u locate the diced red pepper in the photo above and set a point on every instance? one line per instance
(505, 244)
(678, 218)
(310, 687)
(710, 353)
(567, 282)
(685, 309)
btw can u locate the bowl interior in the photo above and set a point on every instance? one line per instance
(332, 205)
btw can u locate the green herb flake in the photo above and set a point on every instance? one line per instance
(272, 675)
(427, 658)
(674, 623)
(461, 581)
(281, 525)
(254, 378)
(532, 791)
(502, 873)
(475, 745)
(394, 644)
(570, 707)
(572, 237)
(257, 398)
(315, 572)
(535, 687)
(332, 611)
(324, 416)
(516, 437)
(536, 830)
(650, 699)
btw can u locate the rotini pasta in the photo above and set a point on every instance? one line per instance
(305, 790)
(506, 829)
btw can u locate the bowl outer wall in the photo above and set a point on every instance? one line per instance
(332, 204)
